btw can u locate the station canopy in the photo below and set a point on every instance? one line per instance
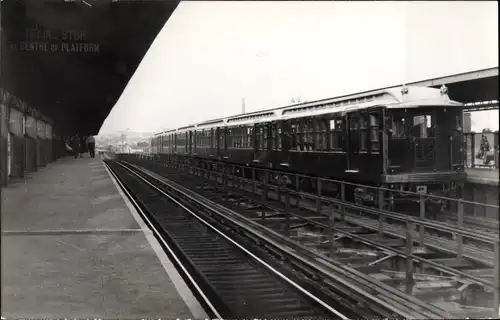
(71, 59)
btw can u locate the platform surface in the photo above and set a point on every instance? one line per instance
(482, 176)
(72, 248)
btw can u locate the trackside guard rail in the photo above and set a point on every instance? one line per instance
(390, 298)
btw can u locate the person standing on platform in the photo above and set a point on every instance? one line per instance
(91, 145)
(83, 146)
(75, 145)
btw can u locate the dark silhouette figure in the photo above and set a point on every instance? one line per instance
(75, 145)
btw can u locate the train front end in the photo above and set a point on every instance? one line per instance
(424, 145)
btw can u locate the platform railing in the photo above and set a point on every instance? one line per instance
(475, 156)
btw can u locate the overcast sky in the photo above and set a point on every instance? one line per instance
(210, 55)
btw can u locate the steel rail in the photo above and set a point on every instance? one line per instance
(249, 253)
(385, 295)
(485, 237)
(170, 250)
(389, 249)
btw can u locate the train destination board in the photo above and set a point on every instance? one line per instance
(67, 41)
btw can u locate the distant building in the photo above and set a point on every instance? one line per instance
(467, 122)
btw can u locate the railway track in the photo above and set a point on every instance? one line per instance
(360, 245)
(244, 284)
(234, 284)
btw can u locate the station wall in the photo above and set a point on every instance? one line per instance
(28, 139)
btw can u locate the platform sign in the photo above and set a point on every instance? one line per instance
(484, 149)
(422, 189)
(39, 39)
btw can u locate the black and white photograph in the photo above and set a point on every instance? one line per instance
(166, 159)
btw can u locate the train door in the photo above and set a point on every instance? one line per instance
(172, 145)
(225, 132)
(255, 142)
(268, 138)
(176, 143)
(195, 142)
(282, 141)
(211, 150)
(352, 142)
(286, 142)
(218, 143)
(261, 142)
(192, 142)
(422, 132)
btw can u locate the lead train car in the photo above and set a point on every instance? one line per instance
(400, 138)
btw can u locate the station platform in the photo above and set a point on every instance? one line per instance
(482, 186)
(483, 176)
(74, 247)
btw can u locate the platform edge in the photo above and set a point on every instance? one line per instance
(185, 293)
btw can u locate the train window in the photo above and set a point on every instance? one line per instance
(249, 137)
(458, 123)
(206, 138)
(212, 138)
(374, 132)
(260, 137)
(422, 126)
(298, 135)
(231, 134)
(308, 135)
(336, 135)
(363, 134)
(238, 137)
(221, 139)
(266, 135)
(276, 136)
(280, 136)
(242, 136)
(398, 128)
(317, 134)
(324, 136)
(229, 137)
(273, 137)
(353, 124)
(321, 135)
(293, 136)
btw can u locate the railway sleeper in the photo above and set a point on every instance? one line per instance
(390, 242)
(349, 229)
(385, 241)
(387, 228)
(455, 263)
(348, 261)
(444, 291)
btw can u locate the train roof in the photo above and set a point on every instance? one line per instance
(392, 98)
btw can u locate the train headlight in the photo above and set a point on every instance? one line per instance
(404, 90)
(444, 90)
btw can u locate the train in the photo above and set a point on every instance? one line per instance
(403, 139)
